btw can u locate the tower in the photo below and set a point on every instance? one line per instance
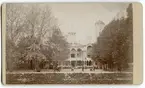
(72, 37)
(100, 26)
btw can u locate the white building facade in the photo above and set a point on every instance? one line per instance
(79, 56)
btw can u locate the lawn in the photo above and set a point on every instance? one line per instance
(68, 78)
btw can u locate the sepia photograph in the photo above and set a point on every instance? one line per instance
(69, 43)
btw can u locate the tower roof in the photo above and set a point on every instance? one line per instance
(100, 22)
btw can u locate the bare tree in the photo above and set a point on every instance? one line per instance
(40, 21)
(15, 21)
(28, 20)
(24, 21)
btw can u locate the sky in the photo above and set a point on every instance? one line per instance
(81, 17)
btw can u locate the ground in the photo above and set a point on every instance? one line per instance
(69, 77)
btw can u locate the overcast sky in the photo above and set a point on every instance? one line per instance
(81, 18)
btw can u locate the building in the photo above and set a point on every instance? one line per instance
(80, 55)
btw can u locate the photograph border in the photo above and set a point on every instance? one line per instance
(137, 42)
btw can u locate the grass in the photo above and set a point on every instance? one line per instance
(69, 78)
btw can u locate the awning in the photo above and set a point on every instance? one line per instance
(88, 59)
(74, 59)
(78, 59)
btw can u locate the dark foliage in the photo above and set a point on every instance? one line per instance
(115, 44)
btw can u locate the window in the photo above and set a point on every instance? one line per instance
(72, 55)
(79, 51)
(89, 56)
(77, 55)
(89, 63)
(79, 63)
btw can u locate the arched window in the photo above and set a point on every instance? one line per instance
(73, 53)
(79, 52)
(89, 51)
